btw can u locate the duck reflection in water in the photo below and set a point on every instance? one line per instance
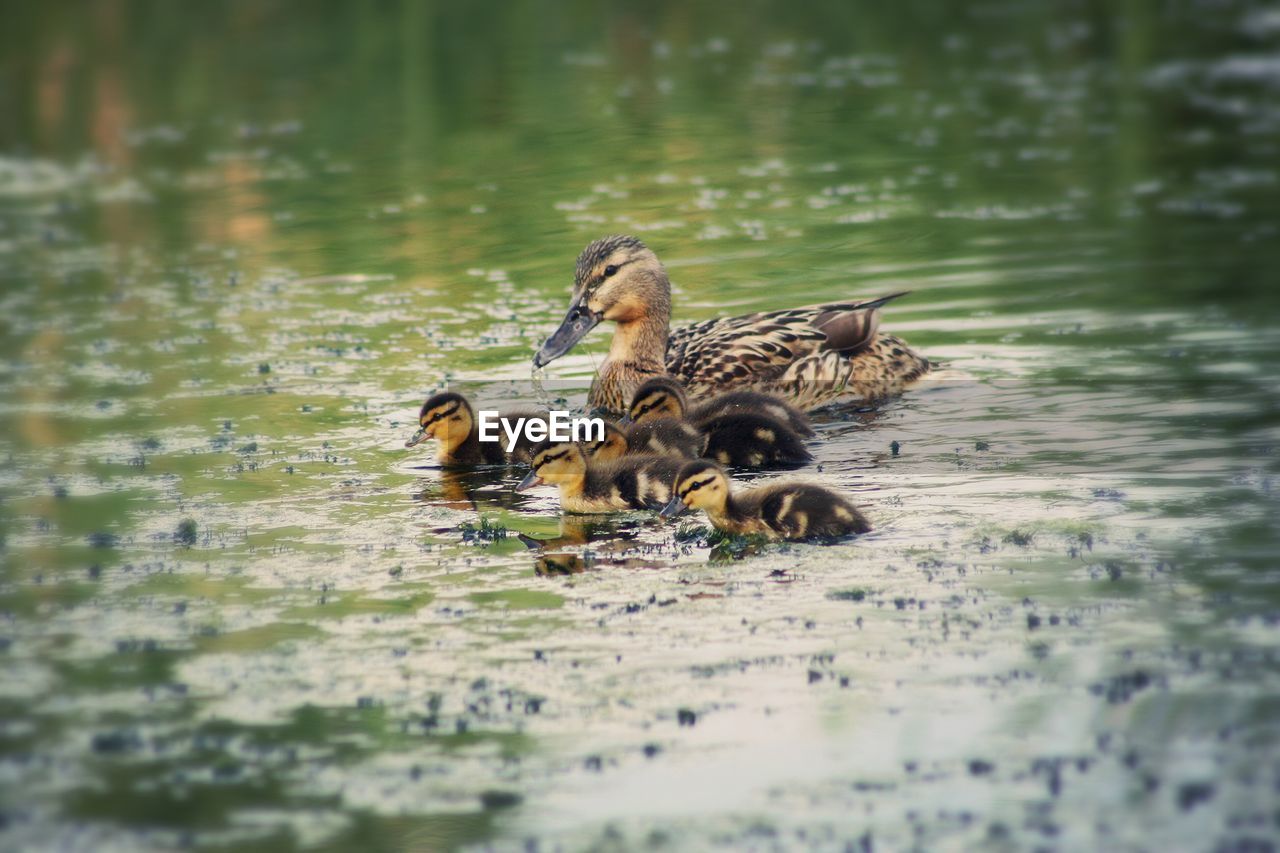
(610, 542)
(555, 563)
(561, 563)
(487, 487)
(584, 530)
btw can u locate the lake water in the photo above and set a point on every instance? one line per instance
(240, 242)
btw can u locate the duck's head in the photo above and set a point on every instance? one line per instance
(446, 417)
(555, 462)
(612, 446)
(660, 397)
(699, 485)
(617, 278)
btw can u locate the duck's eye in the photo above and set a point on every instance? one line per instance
(610, 271)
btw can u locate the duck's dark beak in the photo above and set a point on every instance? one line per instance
(672, 509)
(530, 480)
(417, 438)
(573, 328)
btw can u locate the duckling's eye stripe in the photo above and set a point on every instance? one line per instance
(440, 415)
(547, 459)
(695, 486)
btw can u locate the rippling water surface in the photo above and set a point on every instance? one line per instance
(239, 243)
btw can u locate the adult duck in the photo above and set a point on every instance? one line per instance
(807, 356)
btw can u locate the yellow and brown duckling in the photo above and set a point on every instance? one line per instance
(631, 482)
(752, 402)
(809, 356)
(661, 436)
(450, 420)
(612, 445)
(787, 510)
(677, 405)
(745, 439)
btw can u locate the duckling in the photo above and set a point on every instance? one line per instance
(450, 419)
(632, 482)
(779, 510)
(753, 441)
(661, 436)
(612, 446)
(809, 356)
(755, 402)
(667, 437)
(732, 403)
(745, 439)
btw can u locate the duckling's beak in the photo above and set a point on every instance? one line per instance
(672, 509)
(573, 328)
(417, 438)
(625, 420)
(530, 480)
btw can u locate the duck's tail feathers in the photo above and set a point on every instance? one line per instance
(879, 301)
(852, 326)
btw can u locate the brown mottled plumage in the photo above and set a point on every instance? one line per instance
(778, 510)
(632, 482)
(808, 356)
(450, 419)
(749, 439)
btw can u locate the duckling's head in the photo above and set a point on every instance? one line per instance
(617, 278)
(660, 397)
(612, 446)
(699, 485)
(446, 417)
(555, 462)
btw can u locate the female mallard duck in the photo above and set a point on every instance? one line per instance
(809, 356)
(661, 436)
(779, 510)
(632, 482)
(745, 439)
(449, 418)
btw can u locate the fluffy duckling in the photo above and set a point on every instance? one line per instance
(449, 419)
(661, 436)
(614, 445)
(732, 403)
(779, 510)
(744, 402)
(753, 441)
(749, 439)
(632, 482)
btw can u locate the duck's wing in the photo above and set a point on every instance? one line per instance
(756, 348)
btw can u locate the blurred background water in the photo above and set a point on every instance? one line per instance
(239, 242)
